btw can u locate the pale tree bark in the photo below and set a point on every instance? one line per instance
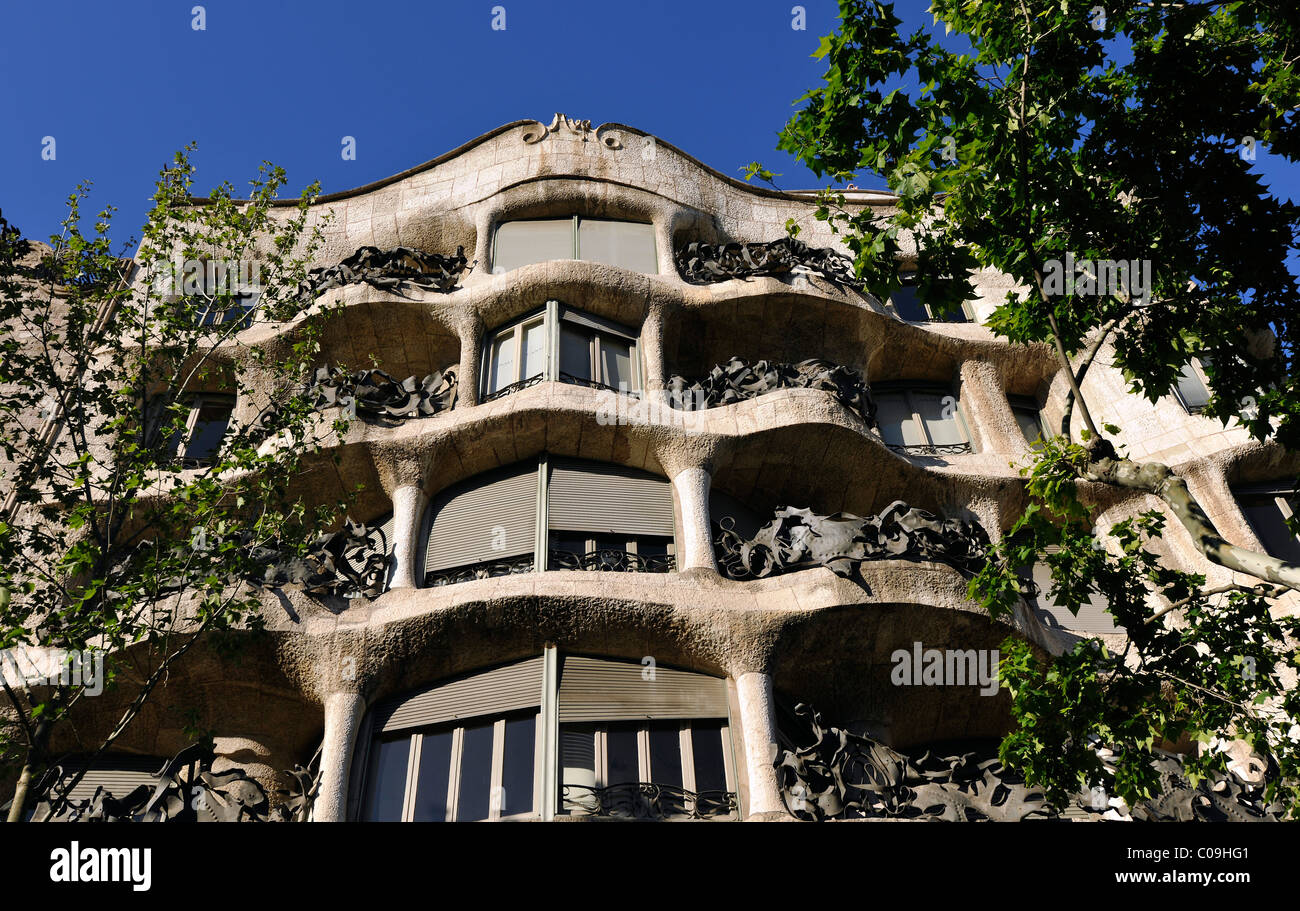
(1106, 467)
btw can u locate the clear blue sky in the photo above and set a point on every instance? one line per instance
(120, 86)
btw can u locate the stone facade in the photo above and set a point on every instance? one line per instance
(808, 636)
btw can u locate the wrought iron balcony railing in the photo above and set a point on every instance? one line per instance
(645, 800)
(513, 387)
(928, 449)
(509, 566)
(612, 561)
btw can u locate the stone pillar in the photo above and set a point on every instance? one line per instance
(758, 725)
(993, 426)
(652, 349)
(409, 503)
(470, 332)
(343, 713)
(691, 486)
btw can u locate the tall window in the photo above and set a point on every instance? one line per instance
(630, 744)
(1093, 618)
(585, 516)
(561, 343)
(1268, 507)
(1191, 388)
(199, 442)
(630, 245)
(920, 420)
(909, 307)
(1029, 417)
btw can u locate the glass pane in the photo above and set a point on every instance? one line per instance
(706, 750)
(519, 243)
(473, 796)
(621, 755)
(1029, 424)
(1191, 390)
(209, 428)
(908, 307)
(431, 785)
(618, 243)
(501, 373)
(939, 412)
(666, 754)
(1270, 525)
(578, 765)
(615, 363)
(386, 783)
(517, 772)
(652, 547)
(894, 419)
(534, 350)
(575, 353)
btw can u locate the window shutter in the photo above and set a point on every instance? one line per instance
(465, 515)
(601, 498)
(595, 689)
(383, 538)
(1092, 619)
(118, 775)
(505, 689)
(596, 323)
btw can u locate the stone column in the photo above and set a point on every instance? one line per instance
(691, 486)
(470, 332)
(993, 426)
(409, 503)
(652, 349)
(343, 713)
(758, 725)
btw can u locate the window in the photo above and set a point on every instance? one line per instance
(199, 441)
(909, 307)
(1191, 388)
(629, 245)
(212, 312)
(561, 343)
(650, 747)
(1093, 618)
(1029, 418)
(593, 516)
(1267, 508)
(920, 421)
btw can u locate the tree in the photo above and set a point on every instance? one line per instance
(134, 523)
(1073, 132)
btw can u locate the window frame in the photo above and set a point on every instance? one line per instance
(1026, 403)
(1197, 371)
(929, 447)
(909, 279)
(177, 447)
(553, 317)
(415, 747)
(1280, 493)
(685, 745)
(575, 246)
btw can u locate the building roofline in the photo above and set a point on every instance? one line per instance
(867, 196)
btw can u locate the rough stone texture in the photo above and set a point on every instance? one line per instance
(808, 636)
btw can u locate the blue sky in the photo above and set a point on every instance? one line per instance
(121, 86)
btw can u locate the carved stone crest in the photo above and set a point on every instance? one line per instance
(537, 131)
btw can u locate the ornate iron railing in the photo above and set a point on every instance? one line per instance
(798, 539)
(389, 270)
(738, 380)
(645, 800)
(927, 449)
(701, 263)
(595, 384)
(513, 387)
(509, 566)
(610, 560)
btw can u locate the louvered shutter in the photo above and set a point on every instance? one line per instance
(1092, 619)
(505, 689)
(118, 775)
(596, 689)
(596, 323)
(382, 536)
(606, 499)
(489, 517)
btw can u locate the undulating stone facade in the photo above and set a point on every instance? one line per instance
(330, 668)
